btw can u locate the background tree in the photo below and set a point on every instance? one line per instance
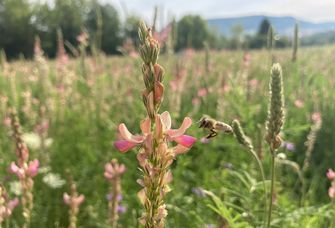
(110, 29)
(68, 16)
(130, 29)
(16, 27)
(260, 40)
(192, 31)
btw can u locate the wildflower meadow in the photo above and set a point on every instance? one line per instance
(156, 138)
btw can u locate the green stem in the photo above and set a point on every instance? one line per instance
(272, 188)
(263, 180)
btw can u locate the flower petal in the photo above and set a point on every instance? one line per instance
(180, 149)
(126, 135)
(179, 132)
(159, 91)
(142, 196)
(159, 127)
(146, 126)
(66, 198)
(166, 119)
(185, 140)
(13, 203)
(78, 200)
(33, 168)
(124, 145)
(19, 172)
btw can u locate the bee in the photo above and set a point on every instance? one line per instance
(214, 126)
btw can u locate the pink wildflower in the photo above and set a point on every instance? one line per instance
(163, 124)
(330, 174)
(129, 140)
(19, 172)
(33, 168)
(316, 116)
(299, 103)
(196, 101)
(113, 169)
(202, 92)
(73, 200)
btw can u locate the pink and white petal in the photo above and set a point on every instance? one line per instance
(159, 91)
(126, 135)
(13, 203)
(167, 177)
(142, 158)
(180, 149)
(166, 119)
(159, 127)
(109, 168)
(108, 176)
(66, 198)
(185, 140)
(33, 168)
(148, 144)
(13, 168)
(146, 126)
(79, 200)
(179, 132)
(141, 195)
(124, 145)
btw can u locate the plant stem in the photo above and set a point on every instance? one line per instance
(259, 163)
(272, 188)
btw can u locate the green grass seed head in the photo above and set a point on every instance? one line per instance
(275, 119)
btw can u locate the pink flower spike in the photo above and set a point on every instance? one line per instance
(33, 168)
(330, 174)
(185, 140)
(173, 133)
(124, 145)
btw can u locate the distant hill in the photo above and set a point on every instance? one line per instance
(283, 25)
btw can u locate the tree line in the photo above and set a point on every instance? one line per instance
(22, 20)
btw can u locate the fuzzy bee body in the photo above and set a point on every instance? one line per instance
(214, 126)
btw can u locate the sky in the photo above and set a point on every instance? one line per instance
(311, 10)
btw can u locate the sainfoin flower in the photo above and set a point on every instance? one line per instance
(163, 124)
(73, 200)
(330, 174)
(113, 170)
(30, 171)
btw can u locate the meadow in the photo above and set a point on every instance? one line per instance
(69, 110)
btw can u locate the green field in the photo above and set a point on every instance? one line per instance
(69, 112)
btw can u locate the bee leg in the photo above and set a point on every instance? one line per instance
(212, 134)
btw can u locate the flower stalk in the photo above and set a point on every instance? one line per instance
(155, 156)
(74, 200)
(113, 173)
(6, 205)
(275, 121)
(24, 169)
